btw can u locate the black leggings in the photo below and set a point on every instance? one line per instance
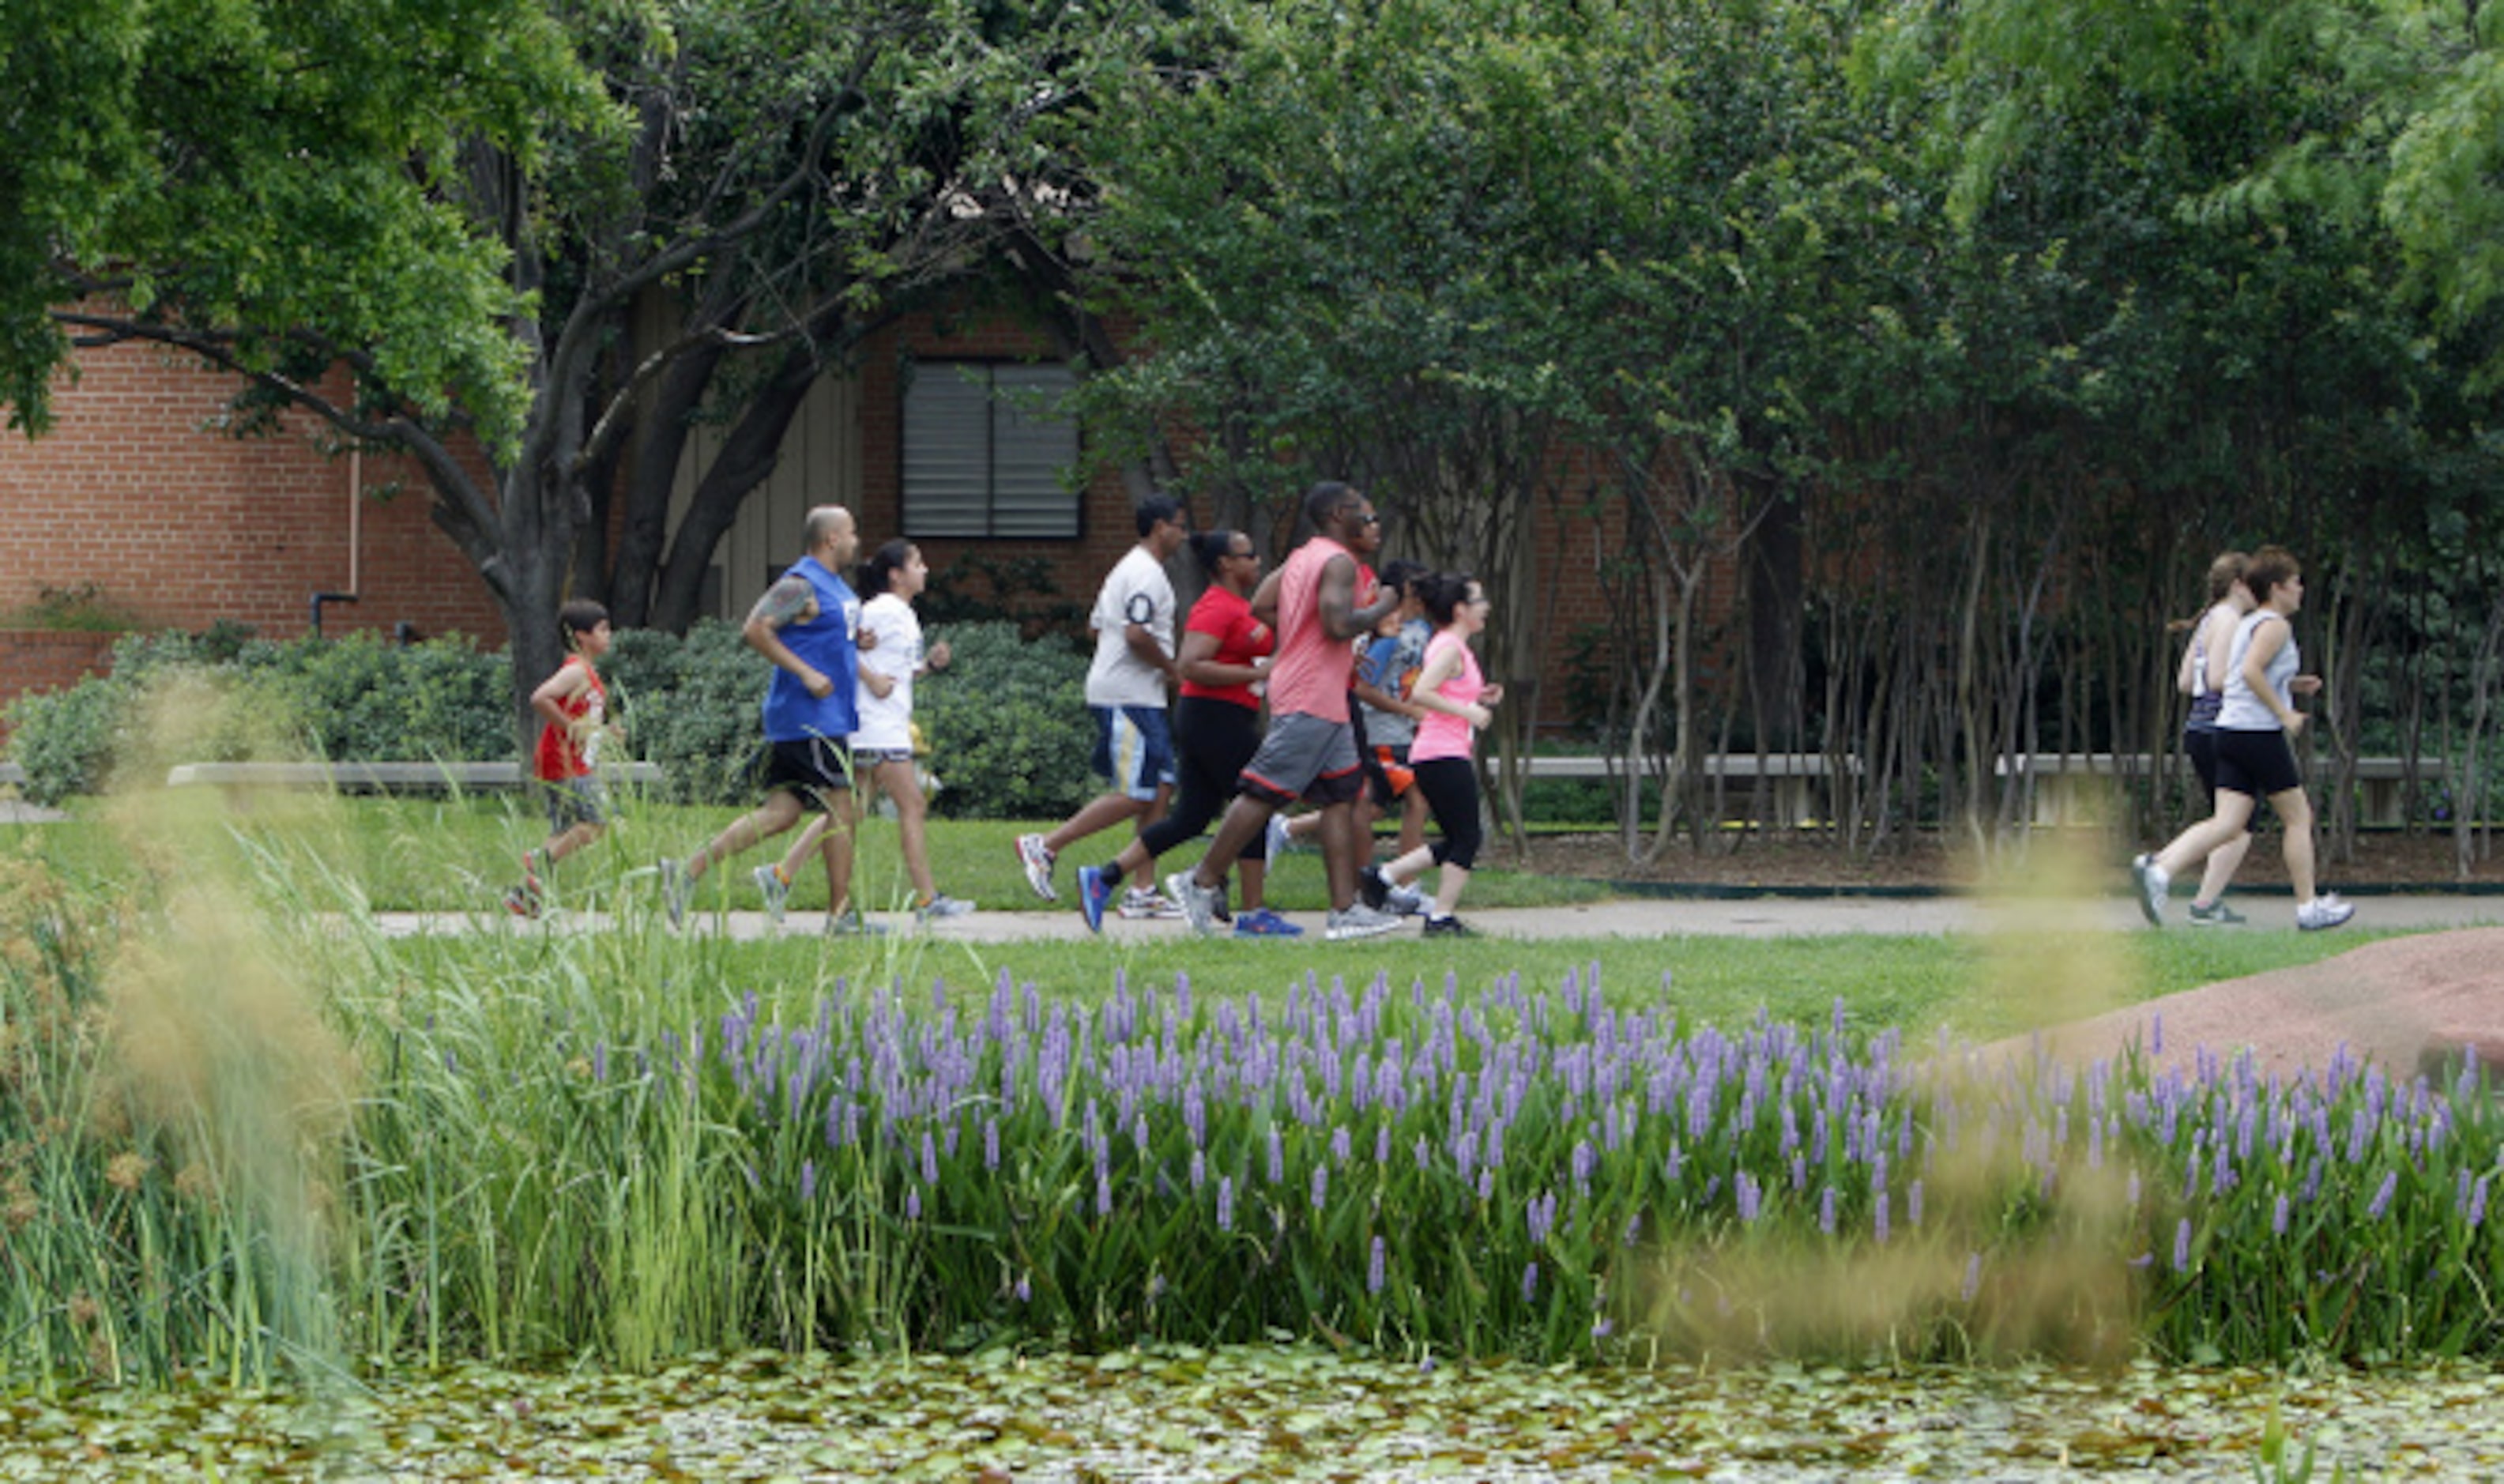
(1450, 785)
(1214, 740)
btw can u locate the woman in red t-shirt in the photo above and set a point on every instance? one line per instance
(1217, 728)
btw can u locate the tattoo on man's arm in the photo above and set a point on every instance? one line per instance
(784, 602)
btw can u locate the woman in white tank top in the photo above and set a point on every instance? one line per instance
(2256, 723)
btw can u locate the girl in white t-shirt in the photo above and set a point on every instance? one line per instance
(891, 658)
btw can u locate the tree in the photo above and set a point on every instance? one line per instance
(779, 178)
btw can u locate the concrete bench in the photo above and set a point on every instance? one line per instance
(381, 778)
(1796, 780)
(12, 776)
(2077, 787)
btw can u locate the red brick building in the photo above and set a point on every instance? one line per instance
(137, 497)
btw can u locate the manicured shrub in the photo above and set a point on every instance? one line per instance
(691, 705)
(1007, 724)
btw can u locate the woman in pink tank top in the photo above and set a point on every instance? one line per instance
(1456, 697)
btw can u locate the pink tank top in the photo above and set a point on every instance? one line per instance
(1309, 672)
(1441, 734)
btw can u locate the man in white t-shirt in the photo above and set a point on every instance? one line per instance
(1126, 689)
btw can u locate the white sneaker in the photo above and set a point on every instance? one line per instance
(1139, 902)
(2153, 882)
(1199, 903)
(943, 906)
(1358, 921)
(2325, 910)
(775, 891)
(1277, 841)
(1403, 901)
(1038, 862)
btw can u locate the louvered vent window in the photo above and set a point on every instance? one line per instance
(986, 452)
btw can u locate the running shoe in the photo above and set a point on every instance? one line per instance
(943, 906)
(1278, 841)
(850, 923)
(1358, 921)
(2152, 881)
(1094, 891)
(1374, 886)
(1447, 927)
(1403, 901)
(1038, 862)
(677, 890)
(2323, 911)
(1140, 902)
(777, 891)
(1199, 903)
(523, 901)
(2215, 915)
(1262, 923)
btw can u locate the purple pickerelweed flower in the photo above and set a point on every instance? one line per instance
(913, 1204)
(1278, 1157)
(1530, 1283)
(1825, 1211)
(1321, 1185)
(2478, 1202)
(1104, 1194)
(1226, 1203)
(992, 1144)
(2382, 1198)
(1748, 1193)
(1199, 1169)
(1913, 1204)
(2182, 1245)
(808, 1180)
(930, 1158)
(1878, 1216)
(1374, 1269)
(1025, 1290)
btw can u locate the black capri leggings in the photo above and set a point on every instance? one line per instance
(1450, 785)
(1214, 740)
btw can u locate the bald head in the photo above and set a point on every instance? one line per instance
(831, 537)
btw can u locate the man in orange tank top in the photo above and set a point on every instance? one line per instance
(1310, 749)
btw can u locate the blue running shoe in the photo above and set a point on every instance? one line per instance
(1264, 923)
(1093, 892)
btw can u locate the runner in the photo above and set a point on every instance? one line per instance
(1455, 697)
(2203, 679)
(805, 625)
(890, 661)
(1217, 728)
(575, 706)
(2256, 720)
(1126, 690)
(1310, 749)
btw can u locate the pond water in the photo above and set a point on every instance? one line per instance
(1167, 1416)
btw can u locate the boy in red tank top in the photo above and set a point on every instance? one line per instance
(575, 705)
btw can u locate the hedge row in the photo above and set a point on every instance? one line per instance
(1007, 723)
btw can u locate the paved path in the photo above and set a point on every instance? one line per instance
(1621, 917)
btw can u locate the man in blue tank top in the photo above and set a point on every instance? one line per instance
(805, 624)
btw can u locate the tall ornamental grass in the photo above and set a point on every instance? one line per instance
(351, 1150)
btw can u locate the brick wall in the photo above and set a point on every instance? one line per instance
(134, 490)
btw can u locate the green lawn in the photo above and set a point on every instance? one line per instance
(416, 854)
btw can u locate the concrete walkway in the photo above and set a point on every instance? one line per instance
(1621, 917)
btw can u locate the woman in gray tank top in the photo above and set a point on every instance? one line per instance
(2256, 722)
(2203, 679)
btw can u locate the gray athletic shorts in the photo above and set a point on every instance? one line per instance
(1305, 757)
(573, 801)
